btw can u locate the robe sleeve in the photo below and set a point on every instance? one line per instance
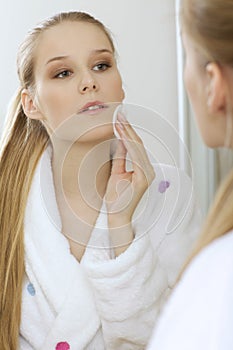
(130, 289)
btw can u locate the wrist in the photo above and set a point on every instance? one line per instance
(118, 220)
(120, 233)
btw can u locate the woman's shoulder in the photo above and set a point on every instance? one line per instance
(213, 265)
(217, 254)
(179, 183)
(172, 181)
(209, 275)
(201, 302)
(172, 197)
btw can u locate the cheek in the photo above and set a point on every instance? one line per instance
(114, 88)
(192, 84)
(53, 104)
(47, 99)
(188, 81)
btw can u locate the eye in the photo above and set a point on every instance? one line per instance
(63, 74)
(101, 66)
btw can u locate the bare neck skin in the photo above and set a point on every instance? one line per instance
(81, 174)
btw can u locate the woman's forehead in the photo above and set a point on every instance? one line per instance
(69, 37)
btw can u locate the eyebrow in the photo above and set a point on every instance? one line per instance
(59, 58)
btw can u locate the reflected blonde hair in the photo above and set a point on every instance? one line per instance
(209, 24)
(22, 145)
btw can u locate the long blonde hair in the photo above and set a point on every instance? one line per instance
(209, 23)
(22, 145)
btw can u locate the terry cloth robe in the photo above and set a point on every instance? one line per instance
(199, 313)
(103, 302)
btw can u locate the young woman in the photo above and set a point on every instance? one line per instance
(199, 314)
(76, 270)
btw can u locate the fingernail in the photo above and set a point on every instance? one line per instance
(120, 125)
(121, 117)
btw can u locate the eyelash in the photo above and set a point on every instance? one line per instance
(105, 64)
(63, 71)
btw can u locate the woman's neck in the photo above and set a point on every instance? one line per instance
(82, 169)
(81, 174)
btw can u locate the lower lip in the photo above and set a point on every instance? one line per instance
(93, 111)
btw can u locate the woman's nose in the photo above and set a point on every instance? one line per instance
(88, 83)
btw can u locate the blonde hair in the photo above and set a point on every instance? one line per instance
(209, 24)
(22, 145)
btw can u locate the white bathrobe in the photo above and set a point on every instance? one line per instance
(103, 302)
(199, 313)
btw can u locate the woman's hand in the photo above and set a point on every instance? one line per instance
(126, 188)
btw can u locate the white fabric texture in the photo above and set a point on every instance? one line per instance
(199, 313)
(103, 302)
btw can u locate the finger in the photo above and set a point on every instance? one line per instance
(139, 161)
(136, 149)
(119, 159)
(128, 131)
(125, 125)
(134, 146)
(142, 166)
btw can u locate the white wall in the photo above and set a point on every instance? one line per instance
(144, 32)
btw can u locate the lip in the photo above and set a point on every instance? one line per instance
(85, 108)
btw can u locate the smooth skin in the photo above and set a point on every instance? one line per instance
(209, 87)
(75, 65)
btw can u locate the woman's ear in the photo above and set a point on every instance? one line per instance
(29, 107)
(216, 90)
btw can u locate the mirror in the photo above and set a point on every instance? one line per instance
(150, 61)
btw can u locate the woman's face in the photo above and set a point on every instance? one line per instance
(198, 84)
(75, 73)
